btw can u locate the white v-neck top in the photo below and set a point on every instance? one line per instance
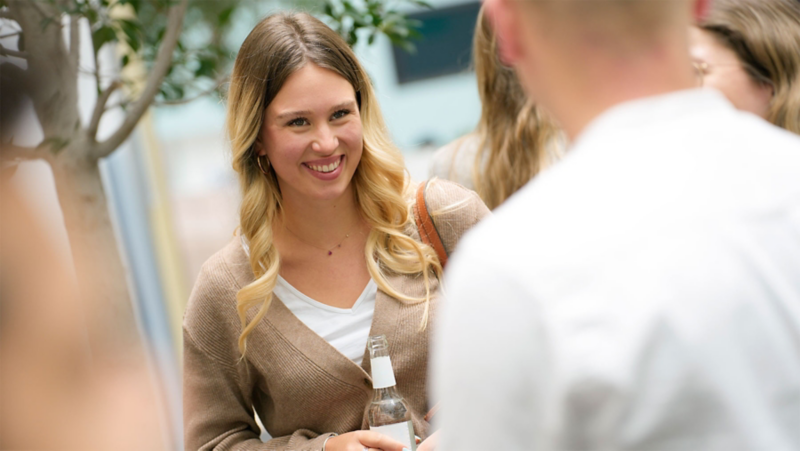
(347, 330)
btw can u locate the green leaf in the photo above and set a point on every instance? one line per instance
(224, 17)
(352, 38)
(133, 33)
(103, 35)
(361, 21)
(414, 34)
(125, 60)
(349, 7)
(408, 46)
(91, 15)
(206, 68)
(422, 3)
(179, 92)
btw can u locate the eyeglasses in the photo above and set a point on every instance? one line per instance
(702, 68)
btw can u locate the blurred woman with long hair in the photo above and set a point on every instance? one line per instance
(514, 139)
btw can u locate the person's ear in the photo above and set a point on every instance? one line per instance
(503, 17)
(258, 146)
(700, 9)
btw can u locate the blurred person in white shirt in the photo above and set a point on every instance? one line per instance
(644, 293)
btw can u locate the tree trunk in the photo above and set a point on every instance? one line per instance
(98, 262)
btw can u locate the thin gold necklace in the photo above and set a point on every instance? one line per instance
(329, 251)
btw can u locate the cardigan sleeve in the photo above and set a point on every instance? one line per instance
(454, 210)
(217, 385)
(219, 416)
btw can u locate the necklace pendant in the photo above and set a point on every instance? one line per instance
(330, 252)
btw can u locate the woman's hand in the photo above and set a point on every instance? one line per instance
(362, 441)
(430, 443)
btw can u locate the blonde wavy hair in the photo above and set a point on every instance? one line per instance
(517, 139)
(277, 47)
(765, 35)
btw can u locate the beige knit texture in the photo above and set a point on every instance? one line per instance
(302, 388)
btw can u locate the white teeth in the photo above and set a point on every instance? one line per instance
(327, 167)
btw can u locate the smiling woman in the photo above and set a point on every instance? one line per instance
(278, 320)
(312, 135)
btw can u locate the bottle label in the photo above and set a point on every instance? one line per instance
(382, 374)
(402, 432)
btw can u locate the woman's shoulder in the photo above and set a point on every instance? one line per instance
(455, 160)
(213, 297)
(454, 209)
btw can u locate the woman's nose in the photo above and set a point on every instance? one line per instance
(326, 141)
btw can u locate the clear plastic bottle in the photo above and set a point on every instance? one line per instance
(387, 413)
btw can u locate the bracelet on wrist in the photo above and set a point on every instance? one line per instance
(326, 440)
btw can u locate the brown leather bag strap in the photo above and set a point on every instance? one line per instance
(426, 226)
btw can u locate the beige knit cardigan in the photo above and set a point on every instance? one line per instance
(303, 389)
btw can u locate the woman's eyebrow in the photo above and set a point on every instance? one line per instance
(292, 113)
(345, 104)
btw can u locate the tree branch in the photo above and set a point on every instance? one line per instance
(208, 91)
(96, 68)
(74, 40)
(7, 52)
(38, 7)
(100, 108)
(10, 152)
(160, 68)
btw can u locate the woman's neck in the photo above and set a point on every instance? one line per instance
(320, 224)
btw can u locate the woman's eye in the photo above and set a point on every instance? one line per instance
(300, 121)
(340, 114)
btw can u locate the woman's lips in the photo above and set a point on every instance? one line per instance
(325, 165)
(326, 168)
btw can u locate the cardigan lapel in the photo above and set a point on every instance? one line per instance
(280, 319)
(384, 322)
(314, 347)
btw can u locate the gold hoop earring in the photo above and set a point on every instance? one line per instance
(258, 161)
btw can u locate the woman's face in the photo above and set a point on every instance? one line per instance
(722, 70)
(312, 135)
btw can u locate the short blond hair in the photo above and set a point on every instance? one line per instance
(621, 24)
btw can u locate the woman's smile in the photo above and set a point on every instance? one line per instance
(326, 168)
